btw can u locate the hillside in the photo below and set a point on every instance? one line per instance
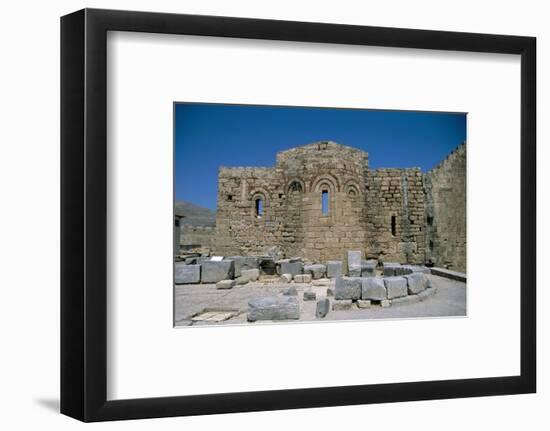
(195, 215)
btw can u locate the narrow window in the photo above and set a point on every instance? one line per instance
(324, 202)
(393, 225)
(229, 197)
(259, 207)
(429, 220)
(431, 246)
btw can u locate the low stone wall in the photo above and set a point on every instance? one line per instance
(195, 237)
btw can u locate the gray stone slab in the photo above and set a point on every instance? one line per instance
(322, 307)
(416, 283)
(395, 287)
(309, 296)
(273, 308)
(226, 284)
(373, 288)
(248, 275)
(389, 268)
(243, 263)
(330, 291)
(354, 258)
(341, 305)
(288, 267)
(347, 288)
(212, 271)
(334, 268)
(447, 273)
(354, 271)
(317, 270)
(368, 269)
(187, 274)
(385, 303)
(418, 268)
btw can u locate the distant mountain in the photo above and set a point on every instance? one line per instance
(195, 215)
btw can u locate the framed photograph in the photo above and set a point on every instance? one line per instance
(262, 215)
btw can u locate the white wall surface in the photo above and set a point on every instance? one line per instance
(29, 228)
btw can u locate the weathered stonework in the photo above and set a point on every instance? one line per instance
(383, 212)
(446, 212)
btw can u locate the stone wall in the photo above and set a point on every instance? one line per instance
(382, 212)
(239, 231)
(307, 172)
(446, 212)
(395, 215)
(196, 237)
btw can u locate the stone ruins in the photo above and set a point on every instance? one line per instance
(321, 224)
(322, 199)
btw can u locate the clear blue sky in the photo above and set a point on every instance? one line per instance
(210, 135)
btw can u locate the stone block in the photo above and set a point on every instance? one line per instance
(309, 296)
(322, 307)
(286, 278)
(347, 288)
(330, 291)
(288, 267)
(334, 268)
(317, 270)
(395, 287)
(363, 303)
(291, 291)
(416, 283)
(340, 305)
(389, 269)
(354, 258)
(226, 284)
(354, 271)
(243, 263)
(213, 271)
(248, 275)
(407, 269)
(273, 308)
(385, 303)
(186, 274)
(373, 288)
(302, 278)
(368, 269)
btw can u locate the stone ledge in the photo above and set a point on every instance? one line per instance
(447, 273)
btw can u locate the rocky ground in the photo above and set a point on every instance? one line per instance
(204, 304)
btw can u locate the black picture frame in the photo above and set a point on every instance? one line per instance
(84, 214)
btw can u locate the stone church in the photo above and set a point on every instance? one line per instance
(322, 199)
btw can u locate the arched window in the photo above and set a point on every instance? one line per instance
(259, 207)
(324, 202)
(295, 187)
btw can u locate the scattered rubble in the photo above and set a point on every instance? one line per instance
(367, 283)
